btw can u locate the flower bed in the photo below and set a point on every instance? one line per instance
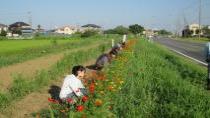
(101, 86)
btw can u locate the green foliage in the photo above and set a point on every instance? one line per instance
(206, 31)
(89, 33)
(13, 51)
(121, 30)
(164, 32)
(187, 33)
(17, 31)
(110, 31)
(136, 29)
(3, 33)
(159, 84)
(118, 30)
(54, 42)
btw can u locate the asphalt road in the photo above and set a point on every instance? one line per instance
(192, 49)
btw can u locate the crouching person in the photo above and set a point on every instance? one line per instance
(116, 49)
(72, 86)
(103, 60)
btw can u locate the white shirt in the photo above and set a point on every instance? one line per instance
(71, 84)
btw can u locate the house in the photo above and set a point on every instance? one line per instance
(149, 32)
(21, 28)
(3, 27)
(39, 29)
(91, 27)
(67, 30)
(192, 30)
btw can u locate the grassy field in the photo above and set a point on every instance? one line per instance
(10, 46)
(15, 51)
(160, 84)
(156, 84)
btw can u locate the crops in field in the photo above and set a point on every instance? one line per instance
(146, 81)
(15, 51)
(12, 46)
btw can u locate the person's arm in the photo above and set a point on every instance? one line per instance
(75, 88)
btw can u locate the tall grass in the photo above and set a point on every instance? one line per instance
(159, 84)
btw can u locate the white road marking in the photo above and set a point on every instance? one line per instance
(203, 63)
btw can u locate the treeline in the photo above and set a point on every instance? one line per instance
(134, 29)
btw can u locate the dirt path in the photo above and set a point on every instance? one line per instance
(33, 102)
(29, 68)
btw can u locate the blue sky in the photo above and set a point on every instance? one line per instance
(159, 14)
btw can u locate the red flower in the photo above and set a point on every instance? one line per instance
(52, 100)
(69, 100)
(92, 88)
(84, 98)
(80, 108)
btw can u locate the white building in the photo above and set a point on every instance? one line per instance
(67, 30)
(149, 32)
(3, 27)
(194, 28)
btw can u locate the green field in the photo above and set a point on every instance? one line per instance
(8, 46)
(16, 51)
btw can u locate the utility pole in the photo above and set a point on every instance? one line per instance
(29, 19)
(199, 35)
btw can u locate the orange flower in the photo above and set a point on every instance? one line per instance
(98, 102)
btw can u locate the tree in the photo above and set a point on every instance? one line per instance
(3, 33)
(17, 31)
(136, 29)
(89, 33)
(121, 30)
(187, 33)
(39, 28)
(110, 31)
(206, 30)
(164, 32)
